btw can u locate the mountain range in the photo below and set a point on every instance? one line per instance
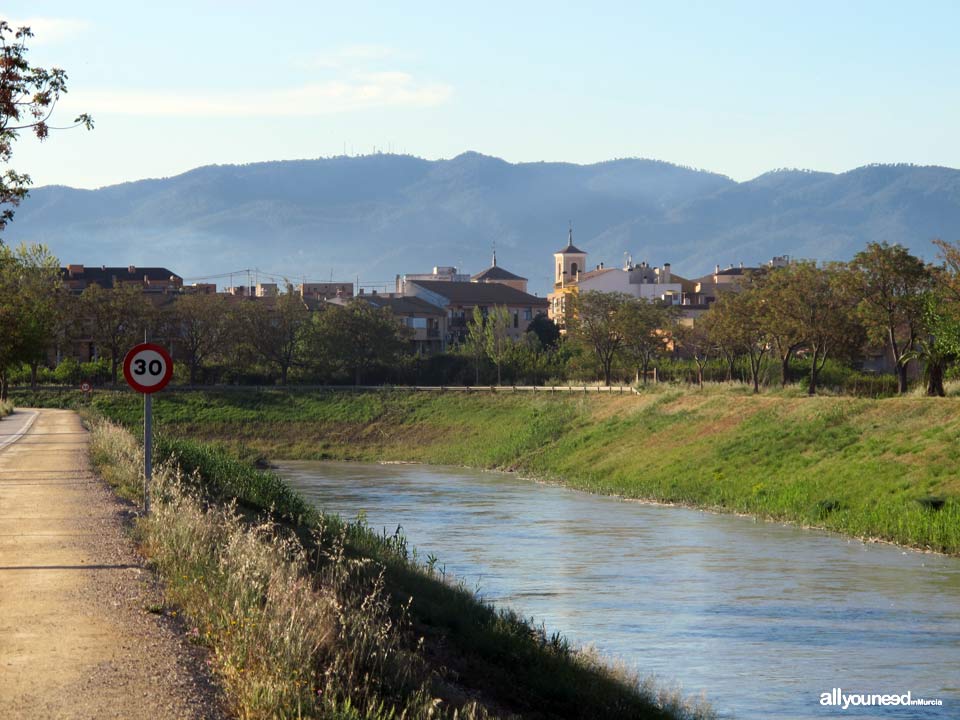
(378, 215)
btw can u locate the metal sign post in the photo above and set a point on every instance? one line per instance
(147, 450)
(147, 368)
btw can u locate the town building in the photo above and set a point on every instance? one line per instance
(325, 290)
(497, 274)
(637, 280)
(76, 278)
(458, 299)
(441, 273)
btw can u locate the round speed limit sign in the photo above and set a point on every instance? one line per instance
(148, 368)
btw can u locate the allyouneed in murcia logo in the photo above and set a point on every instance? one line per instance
(837, 698)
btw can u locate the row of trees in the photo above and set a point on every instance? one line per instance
(38, 319)
(885, 298)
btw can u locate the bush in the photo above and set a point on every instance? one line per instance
(844, 380)
(68, 372)
(229, 477)
(96, 371)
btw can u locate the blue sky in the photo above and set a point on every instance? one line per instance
(738, 88)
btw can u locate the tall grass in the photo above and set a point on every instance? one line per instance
(326, 620)
(6, 407)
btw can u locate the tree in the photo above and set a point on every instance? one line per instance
(890, 284)
(594, 323)
(735, 324)
(38, 289)
(694, 341)
(476, 342)
(115, 319)
(530, 361)
(29, 308)
(644, 324)
(940, 345)
(816, 302)
(276, 332)
(778, 291)
(356, 337)
(546, 331)
(949, 279)
(28, 96)
(199, 328)
(722, 324)
(497, 340)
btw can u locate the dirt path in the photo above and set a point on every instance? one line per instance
(76, 637)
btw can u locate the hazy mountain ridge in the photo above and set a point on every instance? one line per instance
(378, 215)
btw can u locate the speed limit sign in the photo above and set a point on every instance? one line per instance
(147, 368)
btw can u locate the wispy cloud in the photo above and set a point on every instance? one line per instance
(360, 91)
(49, 30)
(347, 56)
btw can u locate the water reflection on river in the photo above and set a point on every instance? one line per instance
(761, 617)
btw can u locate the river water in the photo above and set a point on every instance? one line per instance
(762, 618)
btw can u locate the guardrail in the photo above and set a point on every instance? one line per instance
(582, 389)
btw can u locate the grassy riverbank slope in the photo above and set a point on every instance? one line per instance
(869, 468)
(310, 617)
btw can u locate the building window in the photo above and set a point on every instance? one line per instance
(573, 270)
(528, 314)
(516, 318)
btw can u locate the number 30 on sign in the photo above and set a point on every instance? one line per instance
(147, 368)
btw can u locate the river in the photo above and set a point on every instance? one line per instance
(760, 617)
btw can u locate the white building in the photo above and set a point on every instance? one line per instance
(641, 281)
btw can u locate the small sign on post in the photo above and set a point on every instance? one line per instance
(147, 368)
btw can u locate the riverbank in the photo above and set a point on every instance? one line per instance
(876, 469)
(309, 617)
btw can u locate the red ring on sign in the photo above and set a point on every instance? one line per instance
(128, 371)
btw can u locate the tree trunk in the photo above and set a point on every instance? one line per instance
(33, 374)
(606, 372)
(731, 362)
(785, 368)
(3, 385)
(498, 374)
(755, 371)
(902, 378)
(193, 372)
(113, 367)
(700, 376)
(283, 374)
(935, 380)
(901, 369)
(812, 389)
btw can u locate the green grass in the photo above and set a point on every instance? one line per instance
(869, 468)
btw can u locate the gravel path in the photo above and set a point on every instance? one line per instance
(77, 639)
